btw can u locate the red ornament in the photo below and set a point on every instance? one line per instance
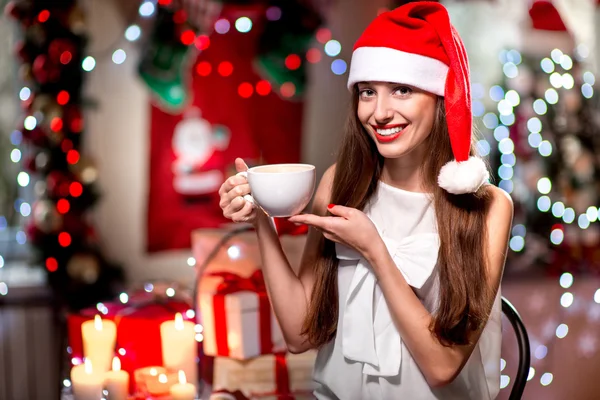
(293, 62)
(72, 156)
(76, 189)
(203, 68)
(66, 57)
(60, 48)
(43, 16)
(225, 68)
(64, 239)
(63, 97)
(202, 42)
(245, 90)
(263, 88)
(63, 206)
(188, 37)
(44, 70)
(56, 124)
(51, 264)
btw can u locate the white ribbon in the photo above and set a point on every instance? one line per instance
(375, 342)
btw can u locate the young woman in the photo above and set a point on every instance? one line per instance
(399, 283)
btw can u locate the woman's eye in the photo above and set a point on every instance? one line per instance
(367, 93)
(403, 90)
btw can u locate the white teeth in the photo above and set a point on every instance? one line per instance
(387, 132)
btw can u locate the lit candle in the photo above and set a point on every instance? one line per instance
(87, 384)
(99, 338)
(117, 382)
(179, 347)
(183, 390)
(154, 381)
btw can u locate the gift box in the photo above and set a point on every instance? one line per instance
(268, 376)
(237, 318)
(138, 342)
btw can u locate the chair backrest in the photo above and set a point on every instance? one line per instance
(524, 352)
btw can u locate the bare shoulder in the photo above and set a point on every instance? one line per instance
(499, 223)
(501, 205)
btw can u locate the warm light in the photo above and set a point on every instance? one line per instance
(88, 366)
(116, 364)
(162, 378)
(153, 371)
(182, 379)
(179, 322)
(98, 322)
(170, 292)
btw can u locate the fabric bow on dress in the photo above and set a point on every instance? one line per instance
(374, 340)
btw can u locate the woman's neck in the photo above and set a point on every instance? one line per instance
(404, 173)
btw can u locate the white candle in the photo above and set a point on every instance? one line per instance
(87, 384)
(183, 390)
(179, 347)
(117, 382)
(99, 337)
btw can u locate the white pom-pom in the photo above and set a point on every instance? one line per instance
(463, 177)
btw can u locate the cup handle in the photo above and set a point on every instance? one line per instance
(247, 197)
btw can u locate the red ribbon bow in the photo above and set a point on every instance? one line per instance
(233, 283)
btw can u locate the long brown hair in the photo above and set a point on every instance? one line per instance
(464, 293)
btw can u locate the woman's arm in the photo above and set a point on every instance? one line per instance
(290, 294)
(440, 364)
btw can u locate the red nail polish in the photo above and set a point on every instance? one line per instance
(331, 206)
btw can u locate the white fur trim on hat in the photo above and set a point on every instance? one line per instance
(384, 64)
(463, 177)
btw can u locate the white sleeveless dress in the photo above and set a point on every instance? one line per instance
(368, 360)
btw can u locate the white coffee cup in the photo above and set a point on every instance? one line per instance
(281, 190)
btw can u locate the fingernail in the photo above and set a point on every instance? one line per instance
(331, 206)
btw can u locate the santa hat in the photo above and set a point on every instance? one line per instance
(416, 45)
(544, 31)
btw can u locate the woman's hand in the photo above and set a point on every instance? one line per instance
(347, 226)
(232, 192)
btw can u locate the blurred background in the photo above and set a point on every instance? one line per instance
(120, 119)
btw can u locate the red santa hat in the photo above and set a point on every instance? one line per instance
(416, 45)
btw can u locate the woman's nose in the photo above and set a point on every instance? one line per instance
(383, 111)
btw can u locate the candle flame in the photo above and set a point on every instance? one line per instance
(116, 364)
(153, 371)
(179, 322)
(88, 366)
(182, 378)
(162, 378)
(98, 322)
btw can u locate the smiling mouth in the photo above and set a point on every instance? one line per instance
(389, 132)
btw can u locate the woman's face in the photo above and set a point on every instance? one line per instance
(397, 117)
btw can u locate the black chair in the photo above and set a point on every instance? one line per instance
(524, 352)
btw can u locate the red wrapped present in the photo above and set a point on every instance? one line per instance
(237, 317)
(138, 322)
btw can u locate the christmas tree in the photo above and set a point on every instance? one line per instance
(546, 126)
(52, 68)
